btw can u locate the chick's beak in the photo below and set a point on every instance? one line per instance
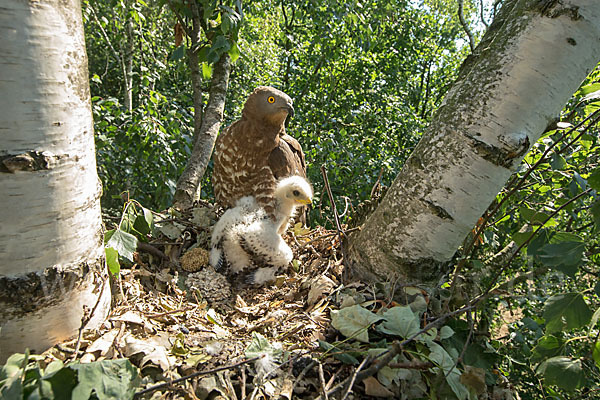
(304, 201)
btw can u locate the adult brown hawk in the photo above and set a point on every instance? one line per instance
(255, 151)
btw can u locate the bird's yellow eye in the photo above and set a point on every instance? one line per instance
(271, 99)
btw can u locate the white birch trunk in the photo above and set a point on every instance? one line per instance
(51, 254)
(527, 66)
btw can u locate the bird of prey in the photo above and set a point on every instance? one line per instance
(248, 238)
(255, 151)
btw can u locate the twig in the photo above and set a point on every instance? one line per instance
(86, 317)
(353, 378)
(194, 375)
(323, 384)
(302, 373)
(243, 382)
(411, 365)
(513, 190)
(148, 248)
(490, 287)
(170, 312)
(338, 227)
(377, 184)
(465, 26)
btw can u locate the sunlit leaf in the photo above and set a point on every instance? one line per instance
(124, 243)
(112, 260)
(354, 321)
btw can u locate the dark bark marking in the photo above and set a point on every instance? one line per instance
(29, 161)
(437, 210)
(497, 155)
(34, 291)
(555, 8)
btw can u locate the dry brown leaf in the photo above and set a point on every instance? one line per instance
(474, 378)
(152, 352)
(104, 342)
(319, 288)
(376, 389)
(178, 34)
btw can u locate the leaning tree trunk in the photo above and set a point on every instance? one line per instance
(520, 76)
(204, 137)
(51, 254)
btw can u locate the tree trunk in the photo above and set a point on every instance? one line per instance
(189, 182)
(527, 66)
(51, 253)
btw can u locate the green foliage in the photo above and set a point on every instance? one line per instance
(24, 376)
(137, 223)
(553, 216)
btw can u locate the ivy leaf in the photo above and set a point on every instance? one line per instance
(566, 311)
(123, 242)
(354, 321)
(440, 357)
(109, 379)
(563, 372)
(400, 321)
(546, 347)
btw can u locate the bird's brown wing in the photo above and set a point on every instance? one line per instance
(287, 158)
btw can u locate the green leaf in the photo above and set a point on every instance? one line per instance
(558, 162)
(178, 53)
(338, 353)
(234, 52)
(563, 372)
(568, 254)
(446, 363)
(259, 345)
(123, 242)
(112, 260)
(594, 179)
(596, 353)
(354, 321)
(400, 321)
(62, 381)
(108, 379)
(596, 213)
(143, 222)
(206, 71)
(546, 347)
(220, 45)
(566, 311)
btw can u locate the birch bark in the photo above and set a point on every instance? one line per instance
(531, 60)
(51, 254)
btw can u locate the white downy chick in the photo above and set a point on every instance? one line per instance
(246, 236)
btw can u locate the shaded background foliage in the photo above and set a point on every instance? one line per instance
(365, 78)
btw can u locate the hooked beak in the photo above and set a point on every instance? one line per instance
(304, 201)
(290, 109)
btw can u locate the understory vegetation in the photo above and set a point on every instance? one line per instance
(518, 314)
